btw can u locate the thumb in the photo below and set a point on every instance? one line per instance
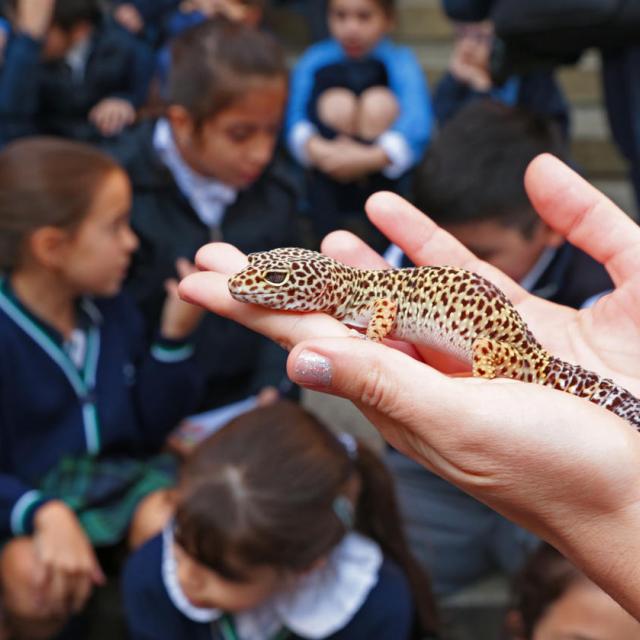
(410, 402)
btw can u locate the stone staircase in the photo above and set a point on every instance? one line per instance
(423, 25)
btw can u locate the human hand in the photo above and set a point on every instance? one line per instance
(348, 160)
(179, 318)
(469, 61)
(69, 568)
(128, 16)
(112, 115)
(552, 462)
(33, 17)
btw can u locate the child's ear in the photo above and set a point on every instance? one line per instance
(182, 124)
(47, 246)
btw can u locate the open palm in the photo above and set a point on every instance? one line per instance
(605, 337)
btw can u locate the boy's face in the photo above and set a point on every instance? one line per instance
(506, 248)
(236, 145)
(358, 25)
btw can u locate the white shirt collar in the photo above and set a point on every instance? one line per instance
(77, 58)
(208, 197)
(322, 602)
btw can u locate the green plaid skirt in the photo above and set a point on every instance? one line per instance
(104, 493)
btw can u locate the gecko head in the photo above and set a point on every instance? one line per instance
(291, 279)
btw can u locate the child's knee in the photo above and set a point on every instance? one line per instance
(378, 110)
(337, 109)
(151, 516)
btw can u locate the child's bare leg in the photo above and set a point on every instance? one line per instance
(337, 109)
(28, 615)
(377, 110)
(151, 516)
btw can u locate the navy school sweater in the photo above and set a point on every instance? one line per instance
(123, 403)
(387, 614)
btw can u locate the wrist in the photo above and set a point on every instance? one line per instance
(50, 513)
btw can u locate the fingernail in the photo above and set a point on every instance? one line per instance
(312, 369)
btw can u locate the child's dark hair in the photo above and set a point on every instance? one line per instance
(546, 576)
(261, 492)
(45, 181)
(388, 6)
(68, 13)
(213, 63)
(474, 170)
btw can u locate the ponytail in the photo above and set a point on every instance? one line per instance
(378, 517)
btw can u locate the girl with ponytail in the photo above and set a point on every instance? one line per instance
(282, 530)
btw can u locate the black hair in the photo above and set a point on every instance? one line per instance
(474, 170)
(545, 578)
(388, 6)
(215, 62)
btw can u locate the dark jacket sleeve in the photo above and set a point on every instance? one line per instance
(19, 87)
(149, 613)
(450, 95)
(168, 382)
(138, 65)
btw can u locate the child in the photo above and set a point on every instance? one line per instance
(69, 73)
(205, 172)
(553, 600)
(193, 12)
(468, 78)
(84, 405)
(471, 183)
(281, 531)
(359, 115)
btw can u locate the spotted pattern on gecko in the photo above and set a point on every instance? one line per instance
(451, 309)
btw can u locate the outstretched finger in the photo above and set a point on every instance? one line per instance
(220, 257)
(583, 215)
(425, 243)
(349, 249)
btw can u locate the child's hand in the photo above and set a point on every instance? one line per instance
(351, 160)
(70, 569)
(470, 58)
(33, 17)
(129, 17)
(179, 318)
(112, 115)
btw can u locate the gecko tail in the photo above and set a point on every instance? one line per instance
(604, 392)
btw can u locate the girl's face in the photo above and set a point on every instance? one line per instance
(358, 25)
(205, 588)
(237, 144)
(585, 612)
(95, 256)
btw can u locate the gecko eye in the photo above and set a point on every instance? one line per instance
(275, 277)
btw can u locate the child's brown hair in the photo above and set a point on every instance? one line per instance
(213, 64)
(546, 576)
(263, 490)
(46, 181)
(388, 6)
